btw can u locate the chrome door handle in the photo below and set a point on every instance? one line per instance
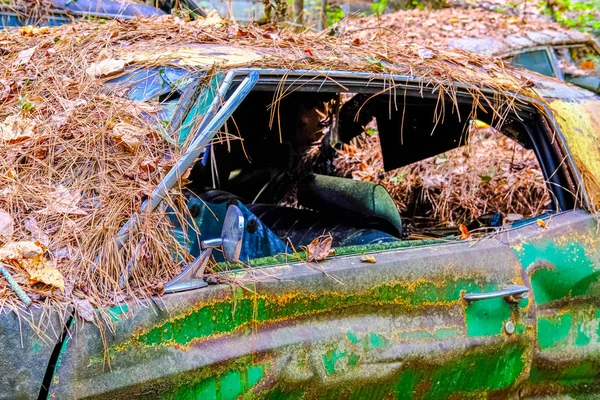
(513, 294)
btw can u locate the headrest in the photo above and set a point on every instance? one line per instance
(365, 203)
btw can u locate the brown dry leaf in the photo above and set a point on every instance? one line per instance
(84, 309)
(464, 232)
(30, 256)
(42, 270)
(31, 225)
(587, 65)
(367, 259)
(25, 56)
(542, 223)
(18, 251)
(105, 67)
(64, 201)
(31, 30)
(7, 225)
(5, 89)
(16, 128)
(320, 248)
(128, 135)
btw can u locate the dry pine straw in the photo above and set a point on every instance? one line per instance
(440, 26)
(78, 162)
(492, 173)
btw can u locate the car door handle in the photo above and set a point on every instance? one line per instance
(513, 294)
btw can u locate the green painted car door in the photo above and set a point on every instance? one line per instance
(562, 260)
(397, 328)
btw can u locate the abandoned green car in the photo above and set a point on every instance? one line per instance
(512, 312)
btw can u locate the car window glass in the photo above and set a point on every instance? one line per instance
(161, 86)
(537, 61)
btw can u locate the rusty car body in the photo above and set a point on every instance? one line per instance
(513, 314)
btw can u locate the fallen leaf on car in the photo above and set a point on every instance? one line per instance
(542, 223)
(213, 18)
(16, 128)
(16, 251)
(105, 67)
(44, 271)
(320, 248)
(25, 56)
(84, 309)
(7, 225)
(127, 135)
(63, 201)
(29, 256)
(31, 30)
(367, 259)
(59, 119)
(425, 53)
(464, 232)
(32, 226)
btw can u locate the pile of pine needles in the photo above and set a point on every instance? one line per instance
(78, 161)
(442, 27)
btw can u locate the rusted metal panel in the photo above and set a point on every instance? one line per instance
(563, 263)
(398, 327)
(579, 122)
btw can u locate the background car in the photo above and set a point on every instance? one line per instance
(538, 45)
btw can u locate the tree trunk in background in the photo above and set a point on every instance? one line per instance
(298, 8)
(550, 4)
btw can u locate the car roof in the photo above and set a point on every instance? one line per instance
(476, 30)
(201, 46)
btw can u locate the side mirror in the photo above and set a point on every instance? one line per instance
(231, 241)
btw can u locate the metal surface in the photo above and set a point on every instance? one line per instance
(516, 291)
(232, 235)
(390, 329)
(26, 345)
(231, 240)
(192, 276)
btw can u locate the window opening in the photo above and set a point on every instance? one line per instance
(366, 171)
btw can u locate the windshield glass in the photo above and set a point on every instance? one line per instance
(161, 86)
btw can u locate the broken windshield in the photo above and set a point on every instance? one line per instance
(161, 86)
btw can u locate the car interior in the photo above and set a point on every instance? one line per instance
(273, 159)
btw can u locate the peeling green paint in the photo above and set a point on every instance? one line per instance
(573, 328)
(560, 267)
(554, 331)
(485, 318)
(228, 386)
(331, 358)
(219, 317)
(455, 378)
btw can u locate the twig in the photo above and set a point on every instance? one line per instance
(15, 286)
